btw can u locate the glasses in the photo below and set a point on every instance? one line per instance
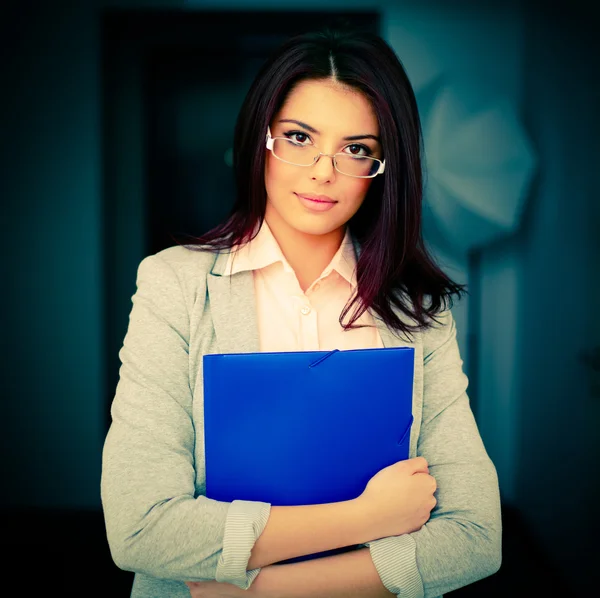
(292, 152)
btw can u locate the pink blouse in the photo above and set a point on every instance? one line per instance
(292, 320)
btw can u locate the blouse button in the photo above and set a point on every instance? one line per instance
(305, 310)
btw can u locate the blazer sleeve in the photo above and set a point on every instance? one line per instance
(461, 542)
(154, 521)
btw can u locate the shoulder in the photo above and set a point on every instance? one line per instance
(177, 267)
(441, 327)
(441, 331)
(185, 261)
(187, 258)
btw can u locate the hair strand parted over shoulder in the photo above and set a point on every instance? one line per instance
(395, 272)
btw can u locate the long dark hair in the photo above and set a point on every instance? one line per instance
(394, 268)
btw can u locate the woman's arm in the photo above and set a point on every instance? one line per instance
(155, 523)
(297, 531)
(461, 542)
(348, 575)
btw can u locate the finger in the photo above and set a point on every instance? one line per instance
(417, 464)
(424, 468)
(414, 465)
(421, 472)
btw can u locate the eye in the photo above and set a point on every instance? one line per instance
(298, 137)
(356, 148)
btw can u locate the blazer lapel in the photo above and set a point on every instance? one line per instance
(233, 308)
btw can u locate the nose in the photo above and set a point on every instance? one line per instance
(323, 170)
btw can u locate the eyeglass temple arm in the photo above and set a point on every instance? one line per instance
(269, 139)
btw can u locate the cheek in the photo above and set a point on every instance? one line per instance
(276, 174)
(359, 188)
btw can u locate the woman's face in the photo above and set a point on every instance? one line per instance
(326, 114)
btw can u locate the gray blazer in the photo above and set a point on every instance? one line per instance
(158, 521)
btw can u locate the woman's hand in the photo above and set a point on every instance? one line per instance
(398, 499)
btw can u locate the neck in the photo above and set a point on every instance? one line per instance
(307, 254)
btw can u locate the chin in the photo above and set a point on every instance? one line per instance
(317, 228)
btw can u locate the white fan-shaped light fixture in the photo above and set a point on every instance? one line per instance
(478, 167)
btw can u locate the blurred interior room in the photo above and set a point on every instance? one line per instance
(114, 114)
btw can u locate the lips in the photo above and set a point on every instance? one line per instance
(316, 203)
(319, 198)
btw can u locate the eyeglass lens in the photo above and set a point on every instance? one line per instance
(304, 155)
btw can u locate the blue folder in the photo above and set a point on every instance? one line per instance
(305, 427)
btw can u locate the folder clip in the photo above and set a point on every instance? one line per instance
(321, 359)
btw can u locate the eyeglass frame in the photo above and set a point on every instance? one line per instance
(271, 140)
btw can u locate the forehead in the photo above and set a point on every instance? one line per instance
(330, 107)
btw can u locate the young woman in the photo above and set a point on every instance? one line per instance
(322, 250)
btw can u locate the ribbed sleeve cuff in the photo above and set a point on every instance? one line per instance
(245, 522)
(395, 559)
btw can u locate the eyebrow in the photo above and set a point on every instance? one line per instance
(313, 130)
